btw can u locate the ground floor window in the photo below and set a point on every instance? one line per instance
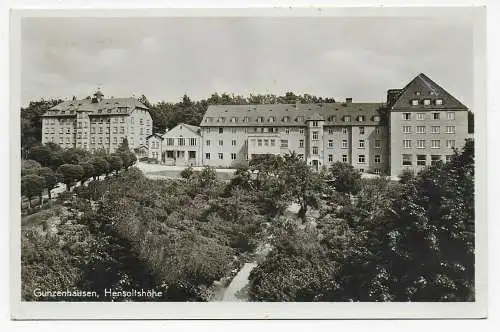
(221, 156)
(362, 170)
(376, 171)
(421, 159)
(207, 155)
(377, 158)
(330, 157)
(233, 156)
(407, 160)
(361, 158)
(170, 154)
(344, 158)
(192, 154)
(448, 158)
(435, 159)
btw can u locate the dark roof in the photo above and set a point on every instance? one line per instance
(290, 114)
(155, 134)
(422, 87)
(103, 107)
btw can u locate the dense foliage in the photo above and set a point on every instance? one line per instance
(406, 241)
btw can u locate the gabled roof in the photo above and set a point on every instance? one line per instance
(194, 129)
(160, 136)
(103, 107)
(290, 114)
(421, 88)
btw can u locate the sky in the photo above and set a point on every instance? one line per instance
(163, 58)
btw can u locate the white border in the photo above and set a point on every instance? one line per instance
(221, 310)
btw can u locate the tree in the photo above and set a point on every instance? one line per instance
(88, 171)
(32, 185)
(187, 173)
(51, 179)
(75, 155)
(29, 166)
(70, 174)
(41, 154)
(470, 119)
(115, 163)
(100, 166)
(344, 178)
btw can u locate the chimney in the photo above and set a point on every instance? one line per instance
(348, 100)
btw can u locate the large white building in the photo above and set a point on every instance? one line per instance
(97, 123)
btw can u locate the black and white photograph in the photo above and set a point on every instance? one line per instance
(249, 158)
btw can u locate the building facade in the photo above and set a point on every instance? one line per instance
(415, 127)
(97, 123)
(180, 146)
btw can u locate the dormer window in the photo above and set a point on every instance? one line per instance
(376, 118)
(332, 118)
(246, 119)
(271, 119)
(286, 119)
(63, 112)
(233, 120)
(361, 118)
(439, 101)
(414, 102)
(347, 118)
(427, 101)
(417, 93)
(300, 119)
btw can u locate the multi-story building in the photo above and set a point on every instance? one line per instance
(426, 124)
(417, 126)
(97, 123)
(180, 146)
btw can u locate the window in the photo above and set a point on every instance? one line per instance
(344, 158)
(435, 129)
(287, 131)
(233, 130)
(315, 150)
(361, 143)
(450, 144)
(221, 130)
(407, 143)
(420, 144)
(421, 159)
(435, 144)
(448, 158)
(361, 130)
(315, 123)
(284, 143)
(377, 159)
(315, 135)
(439, 102)
(141, 131)
(330, 158)
(407, 129)
(361, 159)
(192, 141)
(450, 129)
(259, 142)
(330, 143)
(301, 143)
(427, 101)
(435, 159)
(344, 130)
(271, 119)
(141, 122)
(208, 142)
(377, 143)
(301, 130)
(233, 156)
(420, 116)
(115, 140)
(181, 141)
(347, 118)
(450, 115)
(414, 102)
(407, 160)
(170, 141)
(344, 144)
(376, 118)
(376, 171)
(221, 156)
(435, 116)
(406, 116)
(420, 129)
(273, 142)
(207, 155)
(362, 170)
(266, 142)
(377, 130)
(221, 142)
(122, 130)
(361, 118)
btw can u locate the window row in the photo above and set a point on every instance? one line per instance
(422, 159)
(426, 102)
(220, 156)
(434, 129)
(422, 144)
(286, 119)
(433, 116)
(106, 141)
(182, 141)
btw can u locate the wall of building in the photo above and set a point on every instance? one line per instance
(174, 153)
(397, 136)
